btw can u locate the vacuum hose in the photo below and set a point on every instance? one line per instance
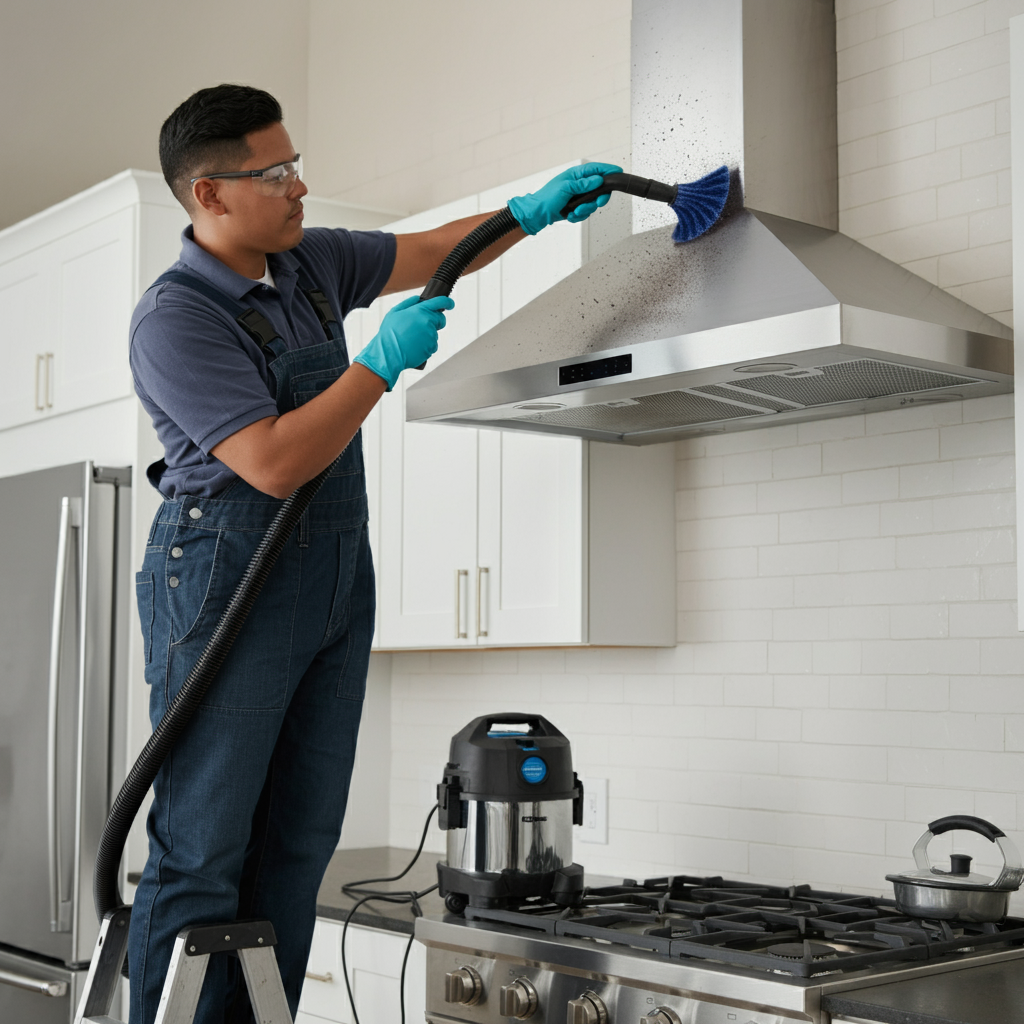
(106, 890)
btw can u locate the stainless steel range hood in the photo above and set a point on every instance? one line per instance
(773, 316)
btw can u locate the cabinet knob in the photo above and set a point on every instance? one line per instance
(661, 1015)
(587, 1009)
(519, 999)
(463, 986)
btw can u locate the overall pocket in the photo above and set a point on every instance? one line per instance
(144, 596)
(256, 674)
(190, 578)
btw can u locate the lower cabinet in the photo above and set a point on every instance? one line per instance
(374, 961)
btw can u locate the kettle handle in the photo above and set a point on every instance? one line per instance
(1012, 873)
(968, 823)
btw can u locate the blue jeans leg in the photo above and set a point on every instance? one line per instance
(248, 808)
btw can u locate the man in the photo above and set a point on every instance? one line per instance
(239, 358)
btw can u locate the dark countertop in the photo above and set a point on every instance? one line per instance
(377, 862)
(993, 994)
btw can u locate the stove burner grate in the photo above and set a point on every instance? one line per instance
(796, 930)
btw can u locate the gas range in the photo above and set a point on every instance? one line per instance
(685, 950)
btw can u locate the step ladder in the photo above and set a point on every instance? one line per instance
(253, 941)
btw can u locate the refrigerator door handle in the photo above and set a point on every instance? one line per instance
(57, 989)
(60, 906)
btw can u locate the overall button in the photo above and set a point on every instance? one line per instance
(195, 513)
(176, 552)
(173, 581)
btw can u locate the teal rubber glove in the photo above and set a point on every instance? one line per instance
(543, 207)
(407, 337)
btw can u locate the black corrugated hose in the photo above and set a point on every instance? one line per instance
(106, 890)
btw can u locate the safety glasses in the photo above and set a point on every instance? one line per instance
(276, 180)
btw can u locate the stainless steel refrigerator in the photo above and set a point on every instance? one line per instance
(64, 562)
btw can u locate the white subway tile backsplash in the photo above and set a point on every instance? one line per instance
(858, 623)
(917, 693)
(1003, 656)
(979, 193)
(914, 621)
(798, 559)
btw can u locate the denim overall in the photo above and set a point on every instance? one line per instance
(248, 807)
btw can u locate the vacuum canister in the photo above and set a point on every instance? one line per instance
(508, 801)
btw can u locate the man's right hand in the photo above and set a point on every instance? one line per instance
(407, 337)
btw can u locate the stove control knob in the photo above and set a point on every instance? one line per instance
(661, 1015)
(463, 986)
(588, 1009)
(518, 1000)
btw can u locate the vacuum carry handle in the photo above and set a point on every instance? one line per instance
(632, 184)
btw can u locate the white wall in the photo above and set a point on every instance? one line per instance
(86, 86)
(924, 139)
(412, 105)
(848, 666)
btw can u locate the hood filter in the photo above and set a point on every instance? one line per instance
(746, 396)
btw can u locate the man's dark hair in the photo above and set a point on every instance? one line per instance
(206, 134)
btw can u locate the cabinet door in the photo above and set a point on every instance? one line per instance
(429, 494)
(93, 274)
(530, 583)
(374, 961)
(26, 335)
(531, 571)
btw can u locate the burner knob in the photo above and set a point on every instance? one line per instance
(661, 1015)
(588, 1009)
(463, 985)
(518, 1000)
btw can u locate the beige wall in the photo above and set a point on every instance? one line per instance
(86, 86)
(412, 105)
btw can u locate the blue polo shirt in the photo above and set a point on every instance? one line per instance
(201, 377)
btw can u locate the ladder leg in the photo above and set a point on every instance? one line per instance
(263, 980)
(184, 982)
(105, 966)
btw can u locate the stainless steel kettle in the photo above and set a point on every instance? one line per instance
(957, 894)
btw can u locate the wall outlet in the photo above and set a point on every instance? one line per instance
(595, 812)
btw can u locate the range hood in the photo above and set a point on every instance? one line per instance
(773, 316)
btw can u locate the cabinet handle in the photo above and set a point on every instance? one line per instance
(480, 631)
(326, 978)
(40, 364)
(459, 574)
(49, 375)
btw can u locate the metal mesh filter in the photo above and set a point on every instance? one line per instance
(848, 382)
(651, 412)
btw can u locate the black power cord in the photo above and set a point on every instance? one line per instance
(358, 889)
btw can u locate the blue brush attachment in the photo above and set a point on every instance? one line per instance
(698, 204)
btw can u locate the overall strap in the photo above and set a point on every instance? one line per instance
(322, 308)
(255, 324)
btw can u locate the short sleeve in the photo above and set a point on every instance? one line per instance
(359, 261)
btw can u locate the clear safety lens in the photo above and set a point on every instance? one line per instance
(279, 179)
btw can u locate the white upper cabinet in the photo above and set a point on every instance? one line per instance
(69, 280)
(92, 270)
